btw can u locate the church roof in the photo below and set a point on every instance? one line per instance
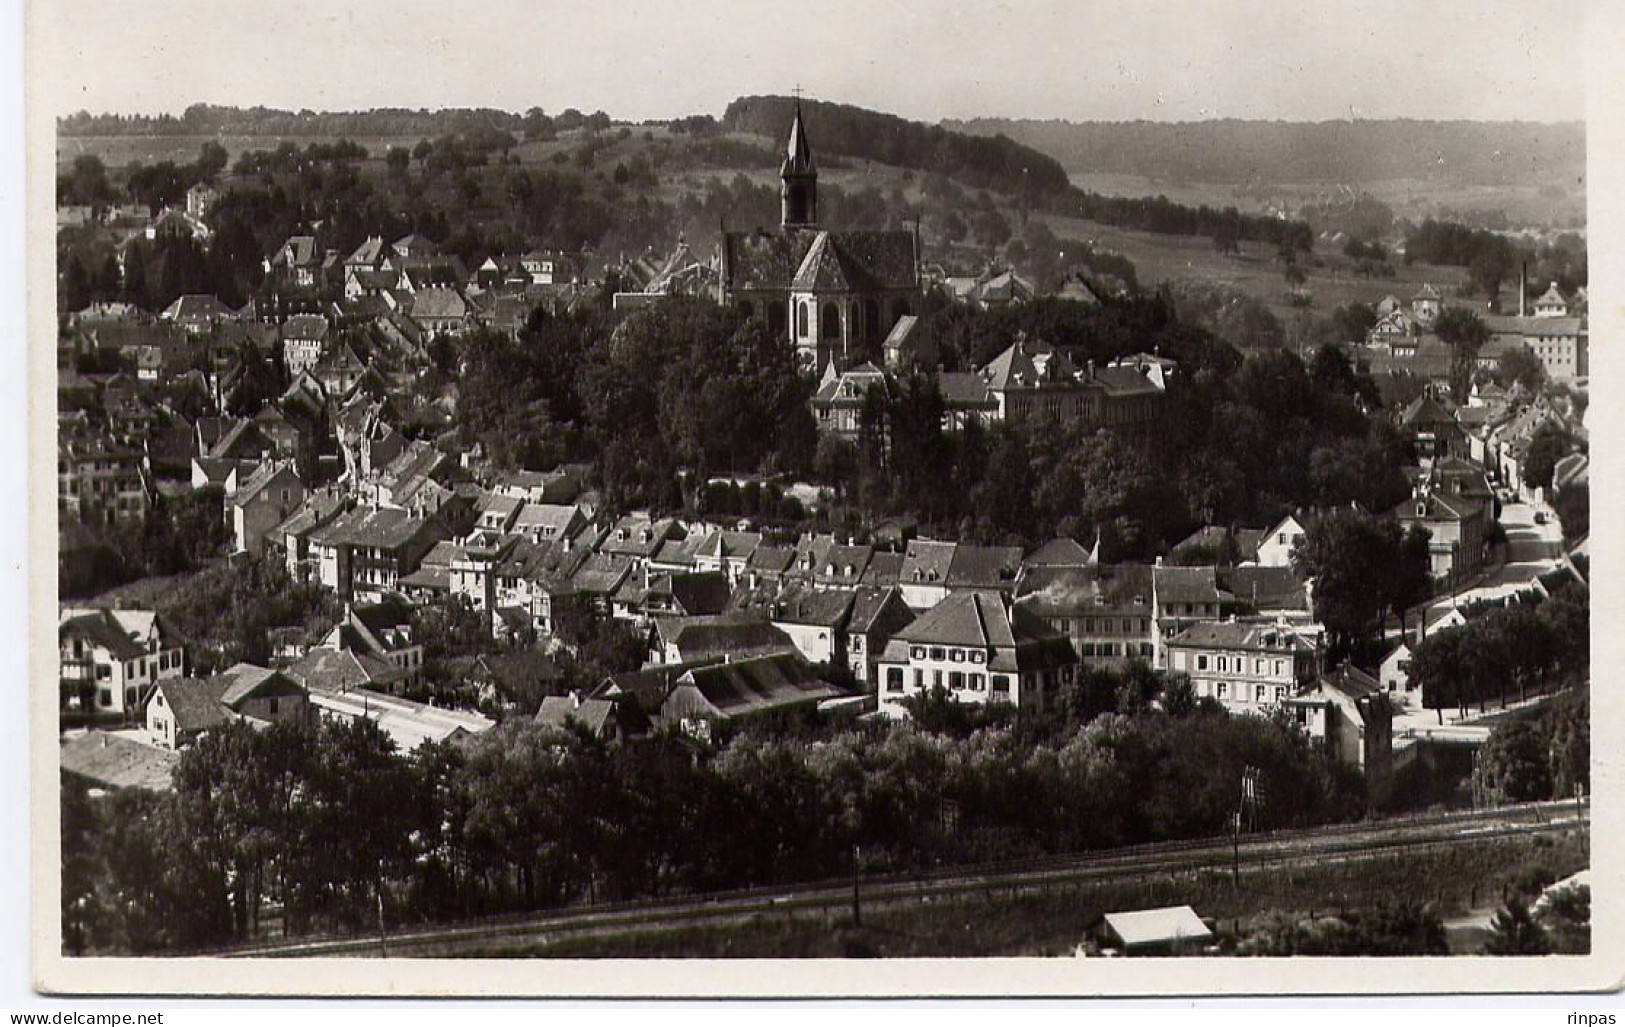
(855, 261)
(798, 156)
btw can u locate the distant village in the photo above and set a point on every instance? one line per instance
(342, 478)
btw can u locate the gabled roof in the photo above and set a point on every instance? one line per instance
(926, 562)
(733, 636)
(984, 566)
(742, 687)
(195, 703)
(1247, 635)
(1059, 552)
(116, 761)
(339, 670)
(561, 711)
(1186, 585)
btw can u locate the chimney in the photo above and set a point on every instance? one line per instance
(575, 699)
(1523, 286)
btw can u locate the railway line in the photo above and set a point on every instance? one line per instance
(1337, 843)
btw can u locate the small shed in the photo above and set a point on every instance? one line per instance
(1155, 932)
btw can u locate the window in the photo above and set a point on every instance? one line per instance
(894, 679)
(957, 655)
(1001, 684)
(1258, 667)
(1280, 693)
(976, 656)
(1089, 625)
(1222, 690)
(1201, 661)
(917, 652)
(273, 706)
(919, 679)
(937, 653)
(956, 681)
(104, 698)
(977, 683)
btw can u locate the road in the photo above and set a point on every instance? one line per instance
(832, 898)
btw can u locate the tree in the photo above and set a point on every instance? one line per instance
(1362, 568)
(1465, 333)
(1520, 366)
(398, 159)
(1549, 445)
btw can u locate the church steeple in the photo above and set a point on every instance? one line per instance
(798, 191)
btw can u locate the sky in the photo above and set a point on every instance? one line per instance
(1163, 60)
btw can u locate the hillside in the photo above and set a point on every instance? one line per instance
(1461, 153)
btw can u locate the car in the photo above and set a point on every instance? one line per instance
(1540, 517)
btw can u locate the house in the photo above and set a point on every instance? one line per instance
(924, 575)
(1458, 526)
(841, 398)
(1106, 610)
(727, 553)
(294, 533)
(877, 614)
(636, 538)
(1426, 305)
(984, 568)
(263, 501)
(815, 621)
(548, 522)
(115, 762)
(100, 481)
(197, 314)
(612, 720)
(304, 336)
(727, 637)
(516, 679)
(978, 647)
(364, 553)
(340, 371)
(1349, 712)
(383, 631)
(1433, 429)
(325, 668)
(1155, 932)
(1276, 546)
(1180, 597)
(441, 310)
(183, 710)
(723, 693)
(1247, 666)
(110, 660)
(904, 347)
(1394, 672)
(297, 262)
(1032, 379)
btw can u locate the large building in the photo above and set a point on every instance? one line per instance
(834, 294)
(978, 648)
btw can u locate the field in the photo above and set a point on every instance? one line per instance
(1052, 923)
(1165, 258)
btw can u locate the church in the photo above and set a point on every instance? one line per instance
(834, 294)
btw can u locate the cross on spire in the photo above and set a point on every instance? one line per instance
(797, 92)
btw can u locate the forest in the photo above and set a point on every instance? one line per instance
(344, 833)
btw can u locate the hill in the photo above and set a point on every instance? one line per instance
(1462, 153)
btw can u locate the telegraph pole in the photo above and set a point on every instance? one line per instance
(857, 909)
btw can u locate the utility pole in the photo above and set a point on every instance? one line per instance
(857, 909)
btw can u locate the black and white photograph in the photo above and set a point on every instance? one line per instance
(947, 498)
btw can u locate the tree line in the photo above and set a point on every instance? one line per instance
(1514, 649)
(344, 833)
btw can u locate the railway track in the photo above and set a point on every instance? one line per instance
(1336, 843)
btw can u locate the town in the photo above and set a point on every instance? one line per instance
(413, 571)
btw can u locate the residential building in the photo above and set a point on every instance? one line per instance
(383, 631)
(364, 553)
(1348, 711)
(110, 659)
(304, 337)
(978, 647)
(612, 720)
(183, 710)
(877, 614)
(1105, 610)
(1247, 666)
(262, 502)
(100, 481)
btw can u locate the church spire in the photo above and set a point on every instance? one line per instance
(798, 192)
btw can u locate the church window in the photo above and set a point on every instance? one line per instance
(854, 318)
(801, 319)
(829, 321)
(871, 319)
